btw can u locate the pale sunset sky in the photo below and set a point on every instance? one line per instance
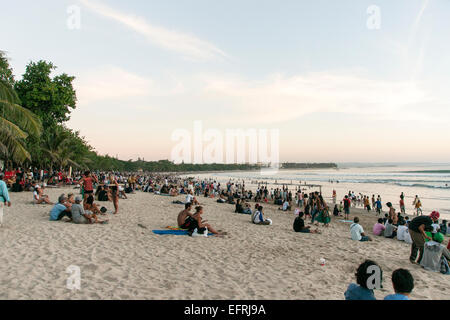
(338, 88)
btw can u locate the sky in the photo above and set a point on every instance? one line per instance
(341, 81)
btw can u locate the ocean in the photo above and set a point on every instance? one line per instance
(431, 182)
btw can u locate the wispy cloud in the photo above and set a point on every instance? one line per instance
(112, 83)
(280, 98)
(189, 46)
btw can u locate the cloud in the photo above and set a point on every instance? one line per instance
(185, 44)
(275, 99)
(281, 98)
(112, 83)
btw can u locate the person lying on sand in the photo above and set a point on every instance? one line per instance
(202, 225)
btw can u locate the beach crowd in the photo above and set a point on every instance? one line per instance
(425, 233)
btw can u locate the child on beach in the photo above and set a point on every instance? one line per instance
(360, 290)
(403, 283)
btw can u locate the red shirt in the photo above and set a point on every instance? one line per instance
(88, 184)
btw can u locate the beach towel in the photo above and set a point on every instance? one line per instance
(346, 221)
(174, 232)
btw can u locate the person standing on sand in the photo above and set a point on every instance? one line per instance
(347, 204)
(417, 205)
(4, 198)
(88, 184)
(114, 187)
(417, 230)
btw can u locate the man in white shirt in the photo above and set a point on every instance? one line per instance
(403, 233)
(189, 198)
(357, 231)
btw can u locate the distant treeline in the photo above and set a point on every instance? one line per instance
(308, 165)
(166, 166)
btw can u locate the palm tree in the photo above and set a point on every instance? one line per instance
(16, 122)
(57, 145)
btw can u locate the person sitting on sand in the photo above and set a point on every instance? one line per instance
(258, 217)
(61, 209)
(336, 211)
(173, 192)
(102, 193)
(80, 216)
(38, 196)
(91, 206)
(403, 233)
(360, 290)
(286, 206)
(185, 217)
(239, 208)
(434, 254)
(202, 225)
(403, 283)
(299, 225)
(357, 231)
(391, 230)
(378, 228)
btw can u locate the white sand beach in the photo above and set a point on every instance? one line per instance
(122, 260)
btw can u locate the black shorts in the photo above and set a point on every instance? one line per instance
(89, 192)
(186, 225)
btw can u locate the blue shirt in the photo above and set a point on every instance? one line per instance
(356, 292)
(56, 211)
(4, 196)
(396, 296)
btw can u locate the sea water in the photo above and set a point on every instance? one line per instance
(431, 182)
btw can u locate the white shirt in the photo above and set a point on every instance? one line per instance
(355, 230)
(257, 217)
(401, 232)
(285, 206)
(189, 198)
(436, 227)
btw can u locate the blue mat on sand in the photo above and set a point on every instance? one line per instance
(174, 232)
(346, 221)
